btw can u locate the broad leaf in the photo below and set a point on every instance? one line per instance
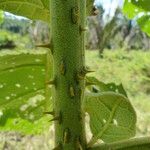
(103, 87)
(32, 9)
(23, 86)
(142, 4)
(133, 7)
(144, 23)
(112, 116)
(140, 10)
(1, 16)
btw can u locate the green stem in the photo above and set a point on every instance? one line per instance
(142, 143)
(67, 25)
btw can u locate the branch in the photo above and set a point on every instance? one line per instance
(142, 143)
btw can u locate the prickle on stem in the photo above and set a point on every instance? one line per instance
(49, 113)
(66, 136)
(48, 45)
(51, 82)
(79, 146)
(57, 118)
(83, 29)
(72, 92)
(58, 147)
(62, 68)
(75, 15)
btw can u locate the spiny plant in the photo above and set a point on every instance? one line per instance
(27, 82)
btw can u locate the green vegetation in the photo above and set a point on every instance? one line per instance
(56, 82)
(130, 68)
(138, 9)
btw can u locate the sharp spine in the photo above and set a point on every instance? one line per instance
(48, 45)
(62, 68)
(59, 147)
(72, 92)
(66, 136)
(50, 113)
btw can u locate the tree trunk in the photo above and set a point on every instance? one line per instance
(68, 26)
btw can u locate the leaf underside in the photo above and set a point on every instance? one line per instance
(103, 87)
(23, 87)
(34, 9)
(112, 117)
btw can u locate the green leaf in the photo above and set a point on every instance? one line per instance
(141, 4)
(112, 117)
(132, 8)
(32, 9)
(1, 16)
(23, 88)
(144, 23)
(102, 87)
(139, 9)
(142, 143)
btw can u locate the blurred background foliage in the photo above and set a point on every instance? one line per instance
(105, 31)
(117, 49)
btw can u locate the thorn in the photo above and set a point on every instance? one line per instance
(48, 45)
(72, 92)
(80, 76)
(49, 113)
(88, 83)
(86, 70)
(59, 147)
(83, 29)
(90, 71)
(95, 11)
(80, 116)
(57, 118)
(75, 15)
(51, 82)
(79, 146)
(62, 68)
(66, 136)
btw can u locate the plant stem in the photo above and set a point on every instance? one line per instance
(67, 26)
(142, 143)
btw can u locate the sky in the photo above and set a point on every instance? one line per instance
(109, 5)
